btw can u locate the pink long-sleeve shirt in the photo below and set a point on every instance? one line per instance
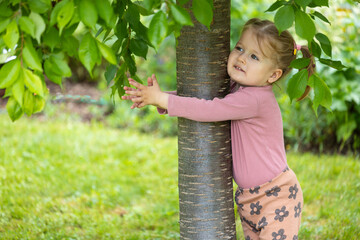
(256, 130)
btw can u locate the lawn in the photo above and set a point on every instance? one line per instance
(70, 180)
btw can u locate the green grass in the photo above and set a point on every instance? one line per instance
(69, 180)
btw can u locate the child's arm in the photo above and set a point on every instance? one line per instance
(146, 95)
(234, 106)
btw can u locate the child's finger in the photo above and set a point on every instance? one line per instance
(154, 80)
(149, 81)
(125, 97)
(137, 99)
(134, 93)
(129, 88)
(136, 84)
(135, 105)
(141, 105)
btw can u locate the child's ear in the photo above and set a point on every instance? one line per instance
(275, 75)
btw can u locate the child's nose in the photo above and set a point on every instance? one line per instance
(241, 58)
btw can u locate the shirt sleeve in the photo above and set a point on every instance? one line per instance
(234, 106)
(162, 111)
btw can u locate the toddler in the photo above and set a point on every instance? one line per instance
(269, 196)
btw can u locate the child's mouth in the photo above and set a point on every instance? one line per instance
(239, 69)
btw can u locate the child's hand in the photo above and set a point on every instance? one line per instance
(146, 95)
(127, 97)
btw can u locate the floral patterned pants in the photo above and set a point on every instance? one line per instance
(271, 211)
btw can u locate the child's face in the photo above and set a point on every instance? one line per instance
(248, 66)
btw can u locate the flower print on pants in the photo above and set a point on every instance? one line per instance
(281, 214)
(293, 191)
(255, 208)
(279, 235)
(297, 210)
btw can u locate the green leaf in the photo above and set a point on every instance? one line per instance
(88, 13)
(116, 46)
(141, 32)
(303, 3)
(27, 26)
(158, 28)
(70, 45)
(110, 73)
(121, 30)
(14, 110)
(105, 10)
(39, 6)
(297, 84)
(31, 58)
(39, 104)
(275, 6)
(320, 16)
(322, 94)
(51, 38)
(132, 14)
(138, 47)
(284, 18)
(9, 73)
(325, 43)
(151, 4)
(119, 8)
(39, 25)
(130, 62)
(334, 64)
(203, 12)
(300, 63)
(12, 35)
(107, 53)
(3, 24)
(89, 53)
(28, 106)
(143, 9)
(59, 66)
(315, 49)
(181, 15)
(51, 72)
(5, 10)
(72, 26)
(319, 3)
(304, 26)
(55, 11)
(119, 81)
(65, 14)
(33, 82)
(18, 88)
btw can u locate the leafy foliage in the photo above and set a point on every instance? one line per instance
(337, 129)
(289, 12)
(44, 34)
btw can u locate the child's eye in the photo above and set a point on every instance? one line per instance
(253, 56)
(239, 48)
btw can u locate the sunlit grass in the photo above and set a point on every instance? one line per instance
(69, 180)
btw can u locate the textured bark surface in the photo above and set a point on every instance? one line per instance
(205, 172)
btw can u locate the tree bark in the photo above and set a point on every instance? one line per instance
(205, 167)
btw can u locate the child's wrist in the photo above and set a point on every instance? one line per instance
(162, 100)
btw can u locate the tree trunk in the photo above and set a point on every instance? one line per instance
(205, 167)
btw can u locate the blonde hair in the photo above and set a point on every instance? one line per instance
(279, 47)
